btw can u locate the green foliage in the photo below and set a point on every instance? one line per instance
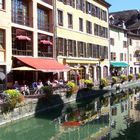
(71, 84)
(72, 88)
(123, 77)
(47, 90)
(138, 76)
(130, 77)
(89, 83)
(114, 79)
(12, 93)
(104, 82)
(13, 99)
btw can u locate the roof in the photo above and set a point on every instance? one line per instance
(131, 18)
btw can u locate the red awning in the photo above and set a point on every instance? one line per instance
(44, 64)
(22, 37)
(46, 42)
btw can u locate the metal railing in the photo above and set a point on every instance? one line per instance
(20, 18)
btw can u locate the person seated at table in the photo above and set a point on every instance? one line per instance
(16, 85)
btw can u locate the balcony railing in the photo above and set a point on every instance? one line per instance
(22, 52)
(45, 54)
(45, 27)
(20, 18)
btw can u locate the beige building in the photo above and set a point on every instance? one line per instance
(26, 38)
(82, 40)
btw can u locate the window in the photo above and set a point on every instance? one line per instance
(100, 31)
(89, 27)
(130, 41)
(2, 6)
(81, 49)
(89, 8)
(80, 4)
(71, 3)
(2, 38)
(124, 44)
(42, 20)
(81, 24)
(70, 21)
(121, 56)
(113, 56)
(60, 18)
(124, 56)
(60, 46)
(89, 50)
(112, 41)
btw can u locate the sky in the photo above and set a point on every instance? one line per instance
(120, 5)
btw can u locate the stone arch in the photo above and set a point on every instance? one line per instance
(105, 71)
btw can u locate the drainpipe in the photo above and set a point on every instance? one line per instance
(109, 59)
(54, 29)
(128, 56)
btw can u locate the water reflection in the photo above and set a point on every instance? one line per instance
(110, 116)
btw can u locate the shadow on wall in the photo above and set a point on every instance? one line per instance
(52, 105)
(89, 94)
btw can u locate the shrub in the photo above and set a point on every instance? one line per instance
(114, 79)
(47, 90)
(72, 88)
(104, 82)
(13, 98)
(123, 78)
(138, 76)
(130, 77)
(89, 83)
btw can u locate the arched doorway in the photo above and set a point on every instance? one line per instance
(91, 72)
(105, 71)
(98, 71)
(82, 72)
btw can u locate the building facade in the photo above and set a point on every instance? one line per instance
(26, 30)
(82, 39)
(119, 53)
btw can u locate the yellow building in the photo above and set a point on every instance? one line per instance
(82, 40)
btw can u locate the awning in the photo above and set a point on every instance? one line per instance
(43, 64)
(46, 42)
(22, 37)
(119, 64)
(24, 68)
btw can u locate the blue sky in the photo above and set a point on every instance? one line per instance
(120, 5)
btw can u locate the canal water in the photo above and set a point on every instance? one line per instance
(112, 116)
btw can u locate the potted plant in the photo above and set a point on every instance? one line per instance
(89, 84)
(114, 80)
(13, 98)
(103, 83)
(130, 77)
(47, 91)
(123, 78)
(138, 76)
(71, 88)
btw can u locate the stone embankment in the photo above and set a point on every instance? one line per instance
(31, 106)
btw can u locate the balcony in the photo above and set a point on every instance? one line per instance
(47, 1)
(20, 18)
(45, 54)
(45, 27)
(22, 52)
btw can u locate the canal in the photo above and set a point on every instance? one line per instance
(113, 116)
